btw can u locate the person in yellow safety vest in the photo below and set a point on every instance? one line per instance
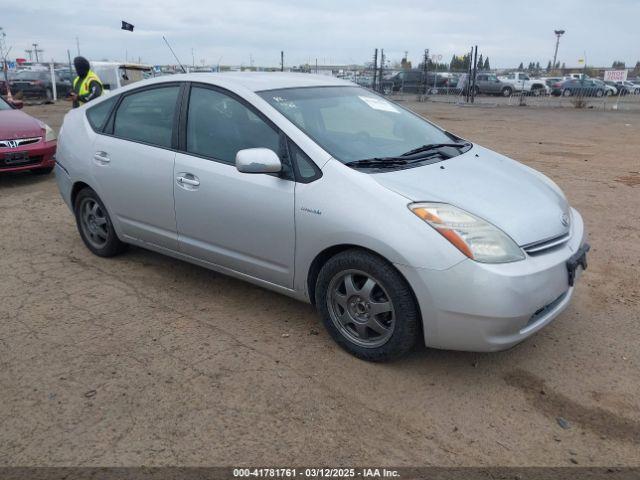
(87, 85)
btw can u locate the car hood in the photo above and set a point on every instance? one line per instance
(17, 124)
(520, 201)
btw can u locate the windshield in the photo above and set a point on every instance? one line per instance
(352, 123)
(4, 105)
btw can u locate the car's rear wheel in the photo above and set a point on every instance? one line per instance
(48, 96)
(367, 306)
(599, 93)
(566, 92)
(94, 225)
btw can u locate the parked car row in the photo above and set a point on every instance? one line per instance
(592, 87)
(37, 84)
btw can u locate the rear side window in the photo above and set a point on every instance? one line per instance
(147, 116)
(97, 115)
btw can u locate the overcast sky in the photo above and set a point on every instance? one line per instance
(334, 31)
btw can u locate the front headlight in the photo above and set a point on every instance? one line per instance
(476, 238)
(50, 134)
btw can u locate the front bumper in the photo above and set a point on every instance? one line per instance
(488, 307)
(38, 155)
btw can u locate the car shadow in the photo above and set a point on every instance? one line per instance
(22, 178)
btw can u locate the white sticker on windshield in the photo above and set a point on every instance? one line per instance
(379, 104)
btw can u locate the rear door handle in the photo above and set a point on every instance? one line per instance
(190, 180)
(101, 157)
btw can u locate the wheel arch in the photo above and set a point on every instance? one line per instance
(75, 189)
(329, 252)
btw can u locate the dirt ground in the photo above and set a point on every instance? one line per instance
(145, 360)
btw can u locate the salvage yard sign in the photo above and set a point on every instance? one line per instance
(615, 75)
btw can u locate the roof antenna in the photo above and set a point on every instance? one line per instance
(174, 54)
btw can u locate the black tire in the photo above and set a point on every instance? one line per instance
(42, 171)
(507, 91)
(48, 96)
(599, 93)
(111, 245)
(566, 92)
(405, 331)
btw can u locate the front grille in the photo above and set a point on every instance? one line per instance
(19, 142)
(5, 163)
(542, 246)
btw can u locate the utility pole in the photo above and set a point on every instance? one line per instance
(282, 60)
(78, 45)
(375, 69)
(70, 67)
(36, 50)
(469, 76)
(475, 69)
(193, 58)
(558, 33)
(381, 69)
(425, 67)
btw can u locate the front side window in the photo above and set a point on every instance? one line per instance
(352, 123)
(147, 116)
(218, 126)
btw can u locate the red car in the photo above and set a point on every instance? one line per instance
(25, 142)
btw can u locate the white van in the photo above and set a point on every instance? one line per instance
(115, 74)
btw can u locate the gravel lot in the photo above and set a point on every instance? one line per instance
(145, 360)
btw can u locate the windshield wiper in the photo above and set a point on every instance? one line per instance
(383, 162)
(434, 146)
(410, 157)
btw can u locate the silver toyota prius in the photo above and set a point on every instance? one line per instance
(395, 229)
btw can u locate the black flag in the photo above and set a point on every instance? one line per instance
(127, 26)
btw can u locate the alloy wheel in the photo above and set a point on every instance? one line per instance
(360, 308)
(94, 223)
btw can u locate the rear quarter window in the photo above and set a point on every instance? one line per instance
(97, 115)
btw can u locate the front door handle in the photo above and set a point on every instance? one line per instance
(190, 180)
(101, 157)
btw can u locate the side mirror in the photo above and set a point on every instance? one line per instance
(18, 104)
(258, 160)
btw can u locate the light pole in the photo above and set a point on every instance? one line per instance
(558, 33)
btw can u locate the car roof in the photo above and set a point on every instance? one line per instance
(254, 81)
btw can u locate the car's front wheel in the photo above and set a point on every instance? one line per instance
(94, 225)
(507, 91)
(367, 306)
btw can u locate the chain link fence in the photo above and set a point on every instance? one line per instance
(457, 87)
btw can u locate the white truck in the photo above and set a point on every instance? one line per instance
(521, 81)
